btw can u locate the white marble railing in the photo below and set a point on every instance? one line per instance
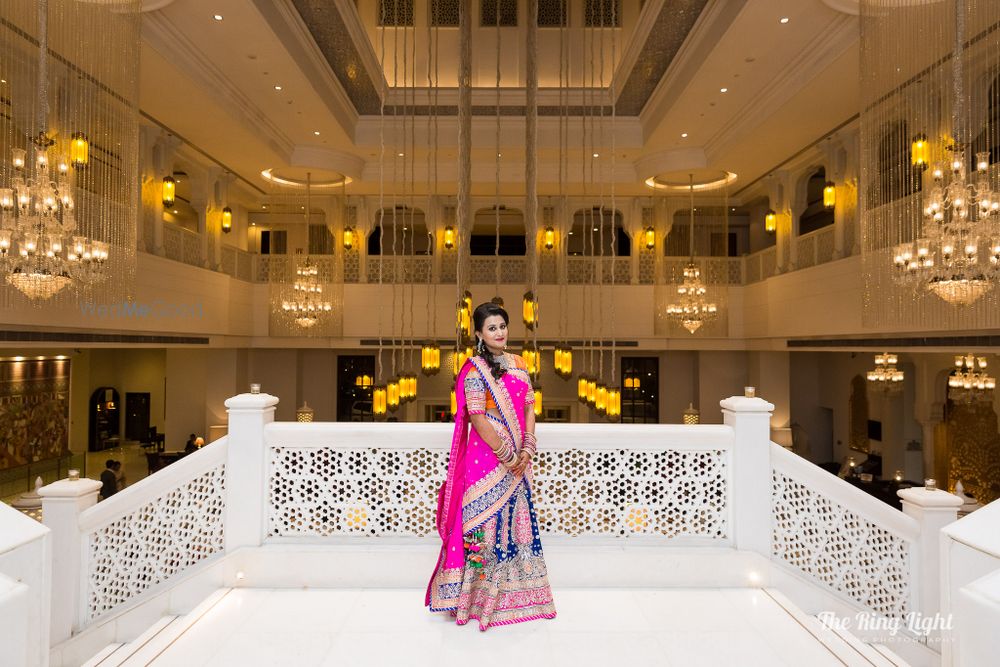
(842, 537)
(25, 548)
(357, 479)
(152, 531)
(726, 487)
(970, 596)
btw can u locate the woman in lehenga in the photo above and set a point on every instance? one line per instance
(491, 567)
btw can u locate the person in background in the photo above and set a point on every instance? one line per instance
(190, 446)
(119, 475)
(109, 482)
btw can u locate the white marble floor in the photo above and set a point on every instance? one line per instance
(711, 627)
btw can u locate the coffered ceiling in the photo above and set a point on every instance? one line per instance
(298, 84)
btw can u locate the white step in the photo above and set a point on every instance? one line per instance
(889, 654)
(114, 655)
(102, 657)
(151, 643)
(147, 652)
(848, 648)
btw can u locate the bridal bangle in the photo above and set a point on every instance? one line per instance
(530, 444)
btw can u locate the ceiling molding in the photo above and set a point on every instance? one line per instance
(628, 132)
(345, 43)
(288, 26)
(852, 7)
(711, 25)
(640, 33)
(330, 159)
(153, 5)
(164, 37)
(806, 66)
(512, 171)
(356, 29)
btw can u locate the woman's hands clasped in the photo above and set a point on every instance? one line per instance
(522, 463)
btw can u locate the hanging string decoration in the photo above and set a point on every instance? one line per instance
(68, 151)
(930, 148)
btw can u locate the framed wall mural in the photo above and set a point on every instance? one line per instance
(34, 411)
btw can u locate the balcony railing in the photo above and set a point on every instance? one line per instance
(310, 483)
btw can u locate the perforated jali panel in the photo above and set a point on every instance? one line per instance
(151, 544)
(325, 491)
(841, 549)
(671, 493)
(377, 491)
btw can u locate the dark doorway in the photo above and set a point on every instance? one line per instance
(640, 385)
(104, 419)
(136, 416)
(355, 376)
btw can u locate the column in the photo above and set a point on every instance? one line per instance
(62, 503)
(163, 165)
(933, 509)
(246, 490)
(750, 418)
(778, 196)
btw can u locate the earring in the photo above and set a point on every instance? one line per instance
(479, 345)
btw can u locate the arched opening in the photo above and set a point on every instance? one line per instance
(585, 238)
(405, 232)
(816, 215)
(512, 239)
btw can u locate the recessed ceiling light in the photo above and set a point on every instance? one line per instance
(723, 90)
(597, 155)
(684, 135)
(783, 20)
(399, 154)
(277, 87)
(316, 132)
(217, 17)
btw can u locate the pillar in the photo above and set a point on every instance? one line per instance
(750, 418)
(62, 504)
(246, 465)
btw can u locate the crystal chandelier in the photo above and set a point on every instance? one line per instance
(41, 251)
(969, 382)
(692, 308)
(306, 304)
(958, 256)
(885, 376)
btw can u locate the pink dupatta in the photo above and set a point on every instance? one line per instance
(463, 503)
